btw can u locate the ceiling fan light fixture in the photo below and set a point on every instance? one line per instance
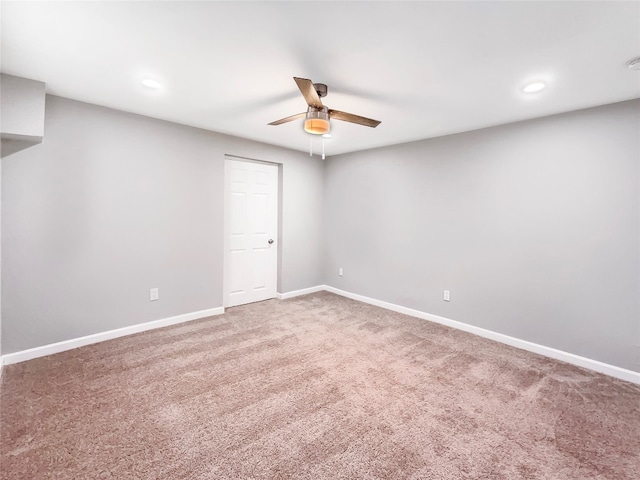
(317, 121)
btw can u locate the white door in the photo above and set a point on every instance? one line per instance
(251, 227)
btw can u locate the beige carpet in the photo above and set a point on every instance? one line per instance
(316, 387)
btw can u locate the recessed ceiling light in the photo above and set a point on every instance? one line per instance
(634, 64)
(327, 135)
(150, 83)
(534, 87)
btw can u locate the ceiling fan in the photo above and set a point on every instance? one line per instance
(317, 115)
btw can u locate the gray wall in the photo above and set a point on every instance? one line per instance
(533, 227)
(0, 266)
(112, 204)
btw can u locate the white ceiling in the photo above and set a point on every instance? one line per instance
(424, 68)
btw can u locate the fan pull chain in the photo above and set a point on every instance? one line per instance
(323, 148)
(311, 147)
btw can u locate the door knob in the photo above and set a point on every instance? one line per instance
(270, 241)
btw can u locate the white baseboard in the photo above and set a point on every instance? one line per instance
(607, 369)
(612, 370)
(297, 293)
(52, 348)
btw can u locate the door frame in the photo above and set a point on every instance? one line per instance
(278, 233)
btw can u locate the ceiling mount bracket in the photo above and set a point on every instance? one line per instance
(321, 89)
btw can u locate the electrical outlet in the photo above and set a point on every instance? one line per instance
(340, 271)
(447, 296)
(154, 294)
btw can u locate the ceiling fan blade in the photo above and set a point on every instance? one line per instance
(350, 117)
(308, 92)
(289, 119)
